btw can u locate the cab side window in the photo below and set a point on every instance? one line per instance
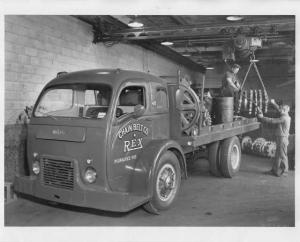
(129, 98)
(159, 98)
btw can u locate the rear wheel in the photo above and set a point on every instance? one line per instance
(230, 156)
(166, 183)
(214, 158)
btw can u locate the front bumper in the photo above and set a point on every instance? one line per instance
(94, 198)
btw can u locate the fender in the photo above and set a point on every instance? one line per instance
(142, 178)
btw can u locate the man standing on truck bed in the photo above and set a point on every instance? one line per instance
(281, 165)
(230, 82)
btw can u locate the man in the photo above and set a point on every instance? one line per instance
(230, 82)
(281, 165)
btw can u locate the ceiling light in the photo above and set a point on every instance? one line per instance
(234, 18)
(209, 68)
(167, 43)
(135, 24)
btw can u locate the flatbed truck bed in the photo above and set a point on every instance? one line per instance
(218, 132)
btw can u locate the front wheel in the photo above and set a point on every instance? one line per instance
(166, 183)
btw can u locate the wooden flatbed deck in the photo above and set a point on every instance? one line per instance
(218, 132)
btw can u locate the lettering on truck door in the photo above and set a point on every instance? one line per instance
(129, 138)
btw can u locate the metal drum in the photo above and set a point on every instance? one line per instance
(223, 109)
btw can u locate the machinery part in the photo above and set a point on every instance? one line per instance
(246, 144)
(166, 183)
(188, 106)
(257, 145)
(250, 101)
(214, 158)
(269, 149)
(255, 102)
(245, 100)
(240, 103)
(230, 156)
(253, 63)
(206, 118)
(266, 101)
(260, 100)
(240, 42)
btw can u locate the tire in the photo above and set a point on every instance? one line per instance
(167, 175)
(214, 159)
(230, 157)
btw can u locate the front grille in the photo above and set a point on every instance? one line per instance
(58, 173)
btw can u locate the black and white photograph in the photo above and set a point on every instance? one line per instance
(167, 120)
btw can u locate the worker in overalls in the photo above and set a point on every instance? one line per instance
(281, 164)
(230, 82)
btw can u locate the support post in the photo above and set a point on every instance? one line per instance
(201, 102)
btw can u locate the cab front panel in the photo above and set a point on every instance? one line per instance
(64, 159)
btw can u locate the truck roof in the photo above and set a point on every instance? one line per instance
(113, 77)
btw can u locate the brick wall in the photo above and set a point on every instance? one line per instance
(37, 47)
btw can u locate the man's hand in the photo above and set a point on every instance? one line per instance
(259, 113)
(237, 85)
(272, 101)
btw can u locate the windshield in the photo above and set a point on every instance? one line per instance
(78, 101)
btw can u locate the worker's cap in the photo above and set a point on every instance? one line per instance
(236, 66)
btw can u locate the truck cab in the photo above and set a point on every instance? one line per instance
(102, 139)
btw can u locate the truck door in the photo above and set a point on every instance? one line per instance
(129, 134)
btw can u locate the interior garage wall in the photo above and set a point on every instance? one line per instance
(37, 47)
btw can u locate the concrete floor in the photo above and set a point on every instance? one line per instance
(252, 198)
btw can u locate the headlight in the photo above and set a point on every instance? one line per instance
(90, 175)
(36, 167)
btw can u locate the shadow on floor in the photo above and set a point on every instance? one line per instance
(76, 208)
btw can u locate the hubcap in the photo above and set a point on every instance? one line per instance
(235, 157)
(165, 184)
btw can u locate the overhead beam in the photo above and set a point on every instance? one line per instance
(178, 19)
(179, 32)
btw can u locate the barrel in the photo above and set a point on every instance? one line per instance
(222, 109)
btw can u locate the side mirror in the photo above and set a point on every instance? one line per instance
(138, 111)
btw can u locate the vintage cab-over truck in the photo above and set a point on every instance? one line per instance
(112, 140)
